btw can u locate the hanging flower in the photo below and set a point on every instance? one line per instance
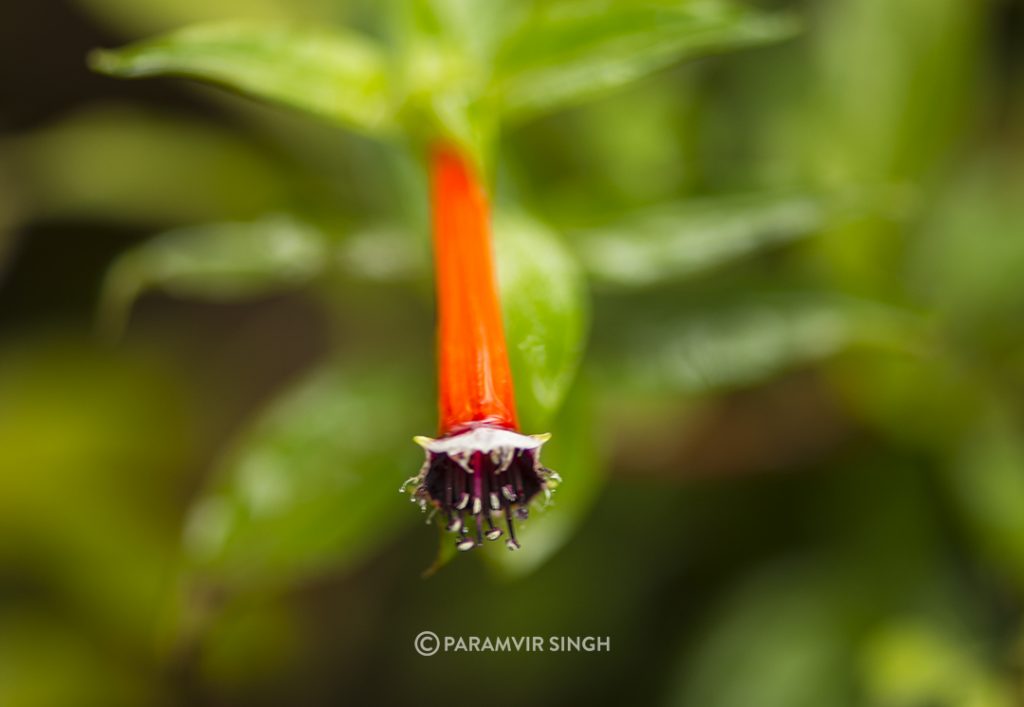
(480, 470)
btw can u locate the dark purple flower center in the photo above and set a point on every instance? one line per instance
(478, 490)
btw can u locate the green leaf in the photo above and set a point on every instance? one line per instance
(217, 261)
(36, 646)
(446, 552)
(785, 632)
(126, 165)
(474, 27)
(578, 455)
(313, 484)
(336, 75)
(967, 259)
(748, 340)
(988, 485)
(546, 312)
(919, 662)
(255, 637)
(679, 241)
(571, 50)
(106, 435)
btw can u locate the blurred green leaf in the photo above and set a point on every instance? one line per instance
(915, 662)
(922, 401)
(45, 661)
(987, 479)
(125, 165)
(748, 339)
(333, 74)
(577, 454)
(474, 27)
(313, 484)
(682, 240)
(384, 253)
(216, 261)
(892, 87)
(570, 50)
(893, 84)
(446, 552)
(251, 645)
(966, 262)
(780, 641)
(87, 474)
(546, 313)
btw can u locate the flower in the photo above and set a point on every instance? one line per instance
(481, 466)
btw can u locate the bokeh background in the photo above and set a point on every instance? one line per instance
(793, 454)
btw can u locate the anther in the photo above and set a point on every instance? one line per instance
(551, 478)
(505, 458)
(493, 532)
(512, 543)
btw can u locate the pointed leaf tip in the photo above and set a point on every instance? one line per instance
(337, 75)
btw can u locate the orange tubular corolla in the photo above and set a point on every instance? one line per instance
(475, 383)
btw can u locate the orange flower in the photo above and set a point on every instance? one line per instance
(480, 466)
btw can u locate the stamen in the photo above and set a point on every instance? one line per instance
(460, 489)
(551, 478)
(462, 459)
(505, 458)
(511, 543)
(478, 483)
(415, 479)
(517, 479)
(493, 532)
(454, 523)
(464, 542)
